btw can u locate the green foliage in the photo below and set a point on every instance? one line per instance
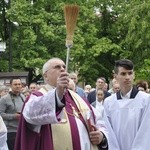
(4, 65)
(106, 30)
(144, 71)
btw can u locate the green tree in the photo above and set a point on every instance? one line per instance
(134, 28)
(106, 31)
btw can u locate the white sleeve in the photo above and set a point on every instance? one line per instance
(59, 103)
(141, 141)
(3, 143)
(100, 123)
(112, 140)
(40, 110)
(3, 135)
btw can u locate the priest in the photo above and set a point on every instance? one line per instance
(55, 118)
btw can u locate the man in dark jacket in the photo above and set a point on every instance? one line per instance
(100, 83)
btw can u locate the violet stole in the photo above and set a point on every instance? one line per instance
(85, 106)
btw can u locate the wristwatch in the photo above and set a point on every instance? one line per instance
(104, 144)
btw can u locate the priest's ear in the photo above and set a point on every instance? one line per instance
(45, 76)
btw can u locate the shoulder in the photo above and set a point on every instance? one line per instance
(143, 96)
(37, 93)
(33, 96)
(111, 98)
(79, 88)
(93, 103)
(22, 95)
(93, 92)
(44, 89)
(72, 93)
(77, 96)
(107, 93)
(5, 98)
(92, 95)
(144, 93)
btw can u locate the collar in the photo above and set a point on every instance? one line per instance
(45, 88)
(49, 87)
(126, 96)
(130, 95)
(99, 103)
(14, 94)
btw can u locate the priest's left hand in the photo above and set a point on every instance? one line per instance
(96, 136)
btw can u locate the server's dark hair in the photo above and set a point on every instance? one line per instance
(125, 63)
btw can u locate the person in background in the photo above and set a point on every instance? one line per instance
(10, 108)
(87, 89)
(33, 87)
(113, 82)
(106, 87)
(92, 89)
(3, 135)
(71, 85)
(26, 92)
(115, 88)
(100, 83)
(24, 87)
(141, 85)
(78, 89)
(147, 86)
(127, 112)
(3, 90)
(56, 118)
(98, 104)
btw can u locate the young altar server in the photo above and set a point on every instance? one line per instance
(128, 112)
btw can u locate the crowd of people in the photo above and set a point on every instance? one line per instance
(59, 114)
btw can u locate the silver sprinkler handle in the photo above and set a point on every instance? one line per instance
(67, 57)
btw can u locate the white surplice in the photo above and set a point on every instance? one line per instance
(100, 108)
(128, 122)
(40, 110)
